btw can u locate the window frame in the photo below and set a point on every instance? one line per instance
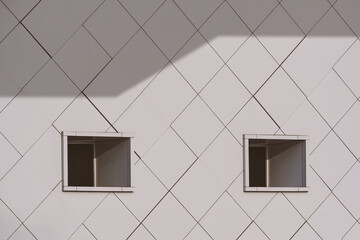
(246, 163)
(64, 157)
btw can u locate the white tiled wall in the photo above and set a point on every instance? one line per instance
(189, 78)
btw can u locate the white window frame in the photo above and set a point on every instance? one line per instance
(66, 186)
(246, 175)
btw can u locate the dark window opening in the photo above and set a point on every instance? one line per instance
(96, 162)
(274, 163)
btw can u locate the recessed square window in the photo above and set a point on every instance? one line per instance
(96, 161)
(275, 163)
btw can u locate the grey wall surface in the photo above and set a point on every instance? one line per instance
(189, 78)
(113, 166)
(286, 164)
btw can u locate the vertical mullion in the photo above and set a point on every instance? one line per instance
(95, 165)
(267, 171)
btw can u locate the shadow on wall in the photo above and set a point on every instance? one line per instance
(226, 27)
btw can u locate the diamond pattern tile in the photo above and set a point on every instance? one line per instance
(51, 91)
(229, 168)
(9, 222)
(332, 98)
(60, 215)
(279, 46)
(251, 203)
(286, 215)
(170, 103)
(20, 8)
(353, 233)
(252, 64)
(331, 24)
(225, 31)
(20, 56)
(188, 78)
(80, 205)
(104, 222)
(147, 187)
(82, 233)
(253, 232)
(10, 156)
(326, 219)
(15, 120)
(285, 102)
(118, 85)
(169, 28)
(348, 129)
(169, 219)
(306, 232)
(347, 193)
(198, 190)
(34, 173)
(169, 158)
(199, 66)
(80, 54)
(141, 10)
(52, 22)
(75, 117)
(234, 95)
(233, 219)
(197, 126)
(59, 221)
(307, 121)
(312, 9)
(9, 89)
(141, 233)
(252, 119)
(7, 21)
(347, 68)
(22, 234)
(348, 9)
(307, 203)
(111, 26)
(253, 12)
(306, 66)
(198, 11)
(148, 132)
(198, 233)
(332, 153)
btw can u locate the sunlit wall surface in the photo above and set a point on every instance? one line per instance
(188, 78)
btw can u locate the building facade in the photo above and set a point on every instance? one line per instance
(189, 79)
